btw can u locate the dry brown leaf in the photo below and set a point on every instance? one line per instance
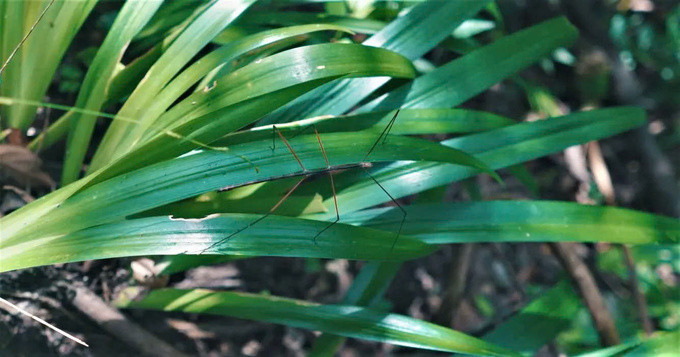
(23, 166)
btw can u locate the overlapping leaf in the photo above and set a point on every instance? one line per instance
(523, 221)
(346, 320)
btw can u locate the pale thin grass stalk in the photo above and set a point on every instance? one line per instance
(36, 318)
(12, 101)
(16, 49)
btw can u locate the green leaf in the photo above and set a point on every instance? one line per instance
(522, 221)
(216, 234)
(540, 321)
(290, 18)
(191, 175)
(664, 344)
(408, 122)
(93, 94)
(198, 33)
(461, 79)
(346, 320)
(202, 67)
(411, 35)
(366, 290)
(498, 148)
(661, 344)
(30, 72)
(243, 96)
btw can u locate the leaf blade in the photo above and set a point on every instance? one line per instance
(351, 321)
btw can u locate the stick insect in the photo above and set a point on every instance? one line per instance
(329, 169)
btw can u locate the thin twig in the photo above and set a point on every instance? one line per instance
(604, 183)
(43, 322)
(585, 283)
(640, 300)
(455, 291)
(115, 323)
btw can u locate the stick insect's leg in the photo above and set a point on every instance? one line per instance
(384, 134)
(290, 148)
(337, 212)
(390, 125)
(330, 176)
(276, 130)
(403, 211)
(271, 211)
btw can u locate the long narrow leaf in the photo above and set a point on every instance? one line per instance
(499, 148)
(460, 80)
(130, 20)
(191, 175)
(523, 221)
(197, 34)
(346, 320)
(411, 35)
(275, 236)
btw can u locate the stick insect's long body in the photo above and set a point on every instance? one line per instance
(305, 173)
(331, 169)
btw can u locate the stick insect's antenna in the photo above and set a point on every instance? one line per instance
(290, 148)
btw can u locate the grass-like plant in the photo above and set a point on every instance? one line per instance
(197, 85)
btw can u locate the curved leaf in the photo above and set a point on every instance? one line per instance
(215, 16)
(461, 79)
(30, 73)
(522, 221)
(199, 69)
(273, 236)
(346, 320)
(498, 148)
(540, 321)
(412, 35)
(289, 18)
(191, 175)
(243, 96)
(93, 92)
(408, 122)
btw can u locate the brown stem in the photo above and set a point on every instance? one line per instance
(640, 300)
(585, 283)
(115, 323)
(453, 296)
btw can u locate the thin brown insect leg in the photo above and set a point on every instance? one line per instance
(290, 148)
(403, 211)
(384, 133)
(271, 211)
(330, 176)
(323, 150)
(337, 212)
